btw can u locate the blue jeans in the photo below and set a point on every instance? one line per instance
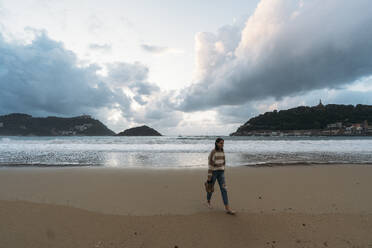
(220, 176)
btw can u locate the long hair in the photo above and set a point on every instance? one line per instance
(215, 144)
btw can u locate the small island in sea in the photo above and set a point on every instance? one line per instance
(139, 131)
(319, 120)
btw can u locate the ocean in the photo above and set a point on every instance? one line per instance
(179, 151)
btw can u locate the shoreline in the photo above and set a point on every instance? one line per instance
(257, 165)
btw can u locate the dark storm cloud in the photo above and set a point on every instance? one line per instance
(43, 78)
(286, 48)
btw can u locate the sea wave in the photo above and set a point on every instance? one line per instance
(180, 152)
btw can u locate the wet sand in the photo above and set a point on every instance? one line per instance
(287, 206)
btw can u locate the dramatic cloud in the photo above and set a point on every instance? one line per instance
(286, 47)
(43, 78)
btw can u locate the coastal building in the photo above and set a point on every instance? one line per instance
(325, 132)
(369, 130)
(83, 127)
(355, 129)
(335, 125)
(335, 132)
(365, 124)
(320, 105)
(347, 131)
(68, 132)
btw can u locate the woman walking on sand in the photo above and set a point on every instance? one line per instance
(216, 170)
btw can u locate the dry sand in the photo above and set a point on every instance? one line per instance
(288, 206)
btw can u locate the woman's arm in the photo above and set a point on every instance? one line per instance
(224, 159)
(211, 160)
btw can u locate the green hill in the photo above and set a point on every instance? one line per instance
(24, 124)
(307, 118)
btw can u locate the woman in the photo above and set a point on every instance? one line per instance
(216, 170)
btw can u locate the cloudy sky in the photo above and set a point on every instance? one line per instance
(182, 67)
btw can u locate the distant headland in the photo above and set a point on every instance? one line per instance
(319, 120)
(20, 124)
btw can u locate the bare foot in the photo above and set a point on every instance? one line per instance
(208, 204)
(230, 211)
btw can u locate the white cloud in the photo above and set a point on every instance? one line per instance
(285, 48)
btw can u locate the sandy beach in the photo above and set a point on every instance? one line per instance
(286, 206)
